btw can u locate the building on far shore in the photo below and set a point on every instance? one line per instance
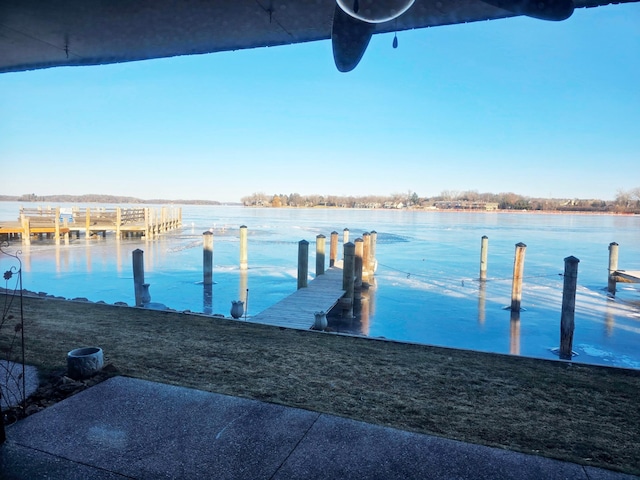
(465, 205)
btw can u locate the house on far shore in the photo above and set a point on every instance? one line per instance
(465, 205)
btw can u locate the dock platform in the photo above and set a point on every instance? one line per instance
(626, 276)
(60, 223)
(297, 310)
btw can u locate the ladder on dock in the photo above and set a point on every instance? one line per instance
(297, 310)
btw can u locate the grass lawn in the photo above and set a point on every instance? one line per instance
(584, 414)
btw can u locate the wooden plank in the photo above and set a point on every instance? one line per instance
(11, 227)
(297, 310)
(627, 276)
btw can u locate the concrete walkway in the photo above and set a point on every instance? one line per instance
(128, 428)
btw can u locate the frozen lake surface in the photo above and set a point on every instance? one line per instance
(426, 288)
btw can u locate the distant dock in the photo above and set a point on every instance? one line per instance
(60, 223)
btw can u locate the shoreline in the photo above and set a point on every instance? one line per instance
(161, 308)
(512, 402)
(322, 207)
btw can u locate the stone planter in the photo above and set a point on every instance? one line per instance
(145, 296)
(320, 320)
(237, 308)
(84, 362)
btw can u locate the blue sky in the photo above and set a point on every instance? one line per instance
(539, 108)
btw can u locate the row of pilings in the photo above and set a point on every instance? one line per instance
(359, 264)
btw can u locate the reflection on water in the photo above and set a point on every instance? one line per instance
(207, 298)
(514, 333)
(425, 289)
(243, 289)
(482, 299)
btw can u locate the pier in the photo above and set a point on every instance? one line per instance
(297, 310)
(616, 275)
(60, 223)
(626, 276)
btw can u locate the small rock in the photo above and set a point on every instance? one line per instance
(121, 304)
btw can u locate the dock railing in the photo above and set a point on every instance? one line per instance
(124, 221)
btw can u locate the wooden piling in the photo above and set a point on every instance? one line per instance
(345, 236)
(518, 270)
(372, 252)
(303, 264)
(333, 249)
(484, 249)
(56, 223)
(87, 223)
(613, 266)
(26, 229)
(348, 277)
(147, 230)
(359, 263)
(366, 258)
(118, 222)
(207, 257)
(138, 275)
(65, 224)
(568, 307)
(320, 248)
(243, 248)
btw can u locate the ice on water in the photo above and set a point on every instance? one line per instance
(426, 287)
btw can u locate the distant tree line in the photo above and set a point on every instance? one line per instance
(98, 198)
(625, 201)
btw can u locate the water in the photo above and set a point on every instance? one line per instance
(426, 287)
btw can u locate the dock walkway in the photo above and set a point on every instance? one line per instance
(297, 310)
(627, 276)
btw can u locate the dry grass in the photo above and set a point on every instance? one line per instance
(589, 415)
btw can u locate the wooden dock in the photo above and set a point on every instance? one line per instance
(60, 223)
(297, 310)
(626, 276)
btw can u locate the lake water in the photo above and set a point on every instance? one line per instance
(426, 288)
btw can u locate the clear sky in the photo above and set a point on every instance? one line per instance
(538, 108)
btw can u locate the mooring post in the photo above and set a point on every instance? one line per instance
(366, 258)
(333, 249)
(345, 236)
(348, 277)
(87, 223)
(320, 247)
(303, 263)
(372, 252)
(118, 222)
(147, 230)
(518, 269)
(26, 230)
(358, 266)
(65, 225)
(613, 267)
(57, 225)
(138, 275)
(568, 307)
(243, 248)
(207, 257)
(484, 249)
